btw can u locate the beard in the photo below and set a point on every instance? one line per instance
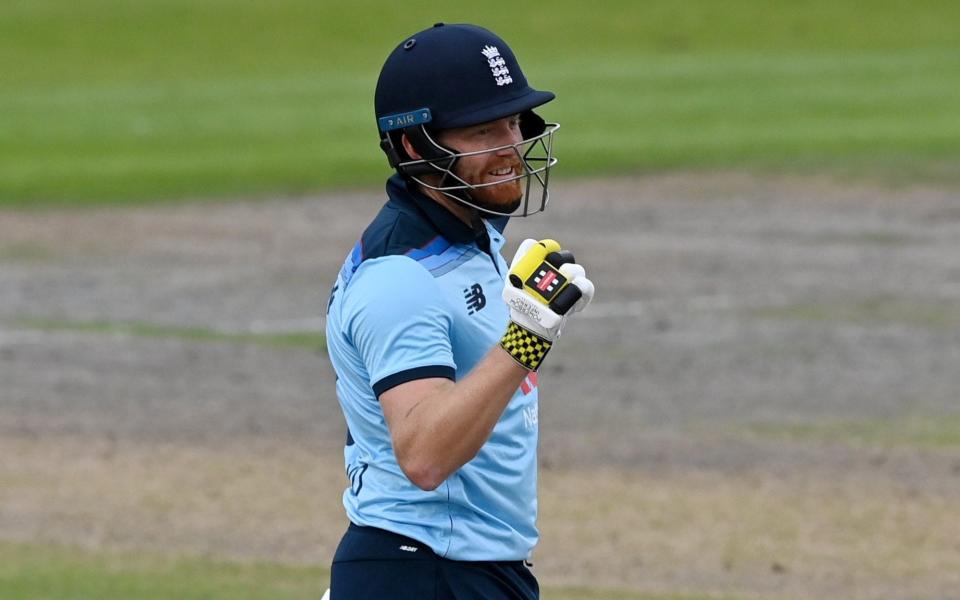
(503, 197)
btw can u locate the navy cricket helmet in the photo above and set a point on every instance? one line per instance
(459, 75)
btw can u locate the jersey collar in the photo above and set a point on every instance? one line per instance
(445, 222)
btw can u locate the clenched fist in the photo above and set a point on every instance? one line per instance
(545, 286)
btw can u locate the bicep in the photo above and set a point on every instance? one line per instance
(400, 403)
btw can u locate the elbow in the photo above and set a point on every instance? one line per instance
(427, 482)
(425, 474)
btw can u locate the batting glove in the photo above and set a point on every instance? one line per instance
(545, 286)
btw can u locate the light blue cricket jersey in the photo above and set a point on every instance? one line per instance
(419, 297)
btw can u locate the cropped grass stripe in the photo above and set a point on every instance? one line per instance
(50, 572)
(306, 339)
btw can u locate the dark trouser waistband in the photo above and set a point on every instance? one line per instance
(374, 564)
(372, 543)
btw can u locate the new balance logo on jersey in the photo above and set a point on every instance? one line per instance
(475, 298)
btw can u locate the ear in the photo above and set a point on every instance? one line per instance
(408, 148)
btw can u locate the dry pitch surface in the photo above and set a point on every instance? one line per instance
(724, 302)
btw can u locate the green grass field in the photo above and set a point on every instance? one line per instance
(113, 101)
(312, 340)
(37, 572)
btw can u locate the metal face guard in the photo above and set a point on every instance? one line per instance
(535, 154)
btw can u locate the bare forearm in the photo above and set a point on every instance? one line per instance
(446, 428)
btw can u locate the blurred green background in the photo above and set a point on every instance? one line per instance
(113, 101)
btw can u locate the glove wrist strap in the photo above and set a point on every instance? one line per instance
(526, 347)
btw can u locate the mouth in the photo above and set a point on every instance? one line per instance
(502, 173)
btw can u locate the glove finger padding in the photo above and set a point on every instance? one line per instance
(578, 277)
(525, 246)
(572, 270)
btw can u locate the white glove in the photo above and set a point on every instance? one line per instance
(541, 296)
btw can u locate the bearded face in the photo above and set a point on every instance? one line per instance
(492, 170)
(490, 163)
(486, 170)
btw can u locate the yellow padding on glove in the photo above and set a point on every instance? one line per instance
(526, 347)
(532, 261)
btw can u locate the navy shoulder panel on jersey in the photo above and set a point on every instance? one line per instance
(410, 224)
(397, 230)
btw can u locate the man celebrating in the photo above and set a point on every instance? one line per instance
(436, 375)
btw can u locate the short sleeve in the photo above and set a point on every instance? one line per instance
(398, 321)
